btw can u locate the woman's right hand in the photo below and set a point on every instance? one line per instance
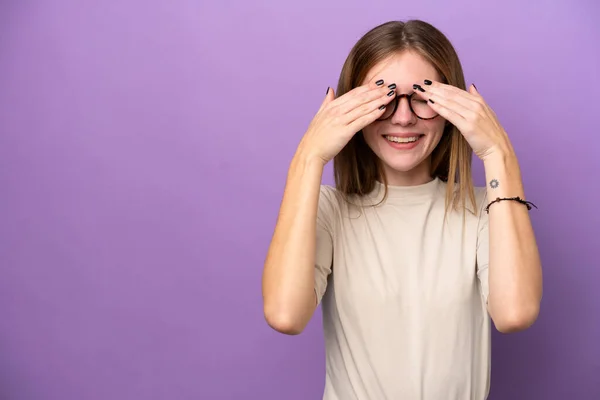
(338, 120)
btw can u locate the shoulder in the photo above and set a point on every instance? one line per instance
(328, 209)
(480, 196)
(334, 201)
(329, 199)
(481, 200)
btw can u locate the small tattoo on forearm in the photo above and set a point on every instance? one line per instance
(494, 183)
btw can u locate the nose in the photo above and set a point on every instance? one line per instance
(403, 115)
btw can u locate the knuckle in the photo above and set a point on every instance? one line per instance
(479, 107)
(363, 97)
(472, 116)
(335, 111)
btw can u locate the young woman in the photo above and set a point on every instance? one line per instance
(407, 258)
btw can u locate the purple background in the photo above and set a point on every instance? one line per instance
(143, 151)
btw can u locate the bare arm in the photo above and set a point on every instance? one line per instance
(288, 277)
(515, 273)
(289, 272)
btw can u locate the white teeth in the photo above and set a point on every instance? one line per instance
(402, 140)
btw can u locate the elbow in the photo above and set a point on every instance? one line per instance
(284, 321)
(517, 319)
(512, 326)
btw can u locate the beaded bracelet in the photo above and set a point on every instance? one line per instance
(518, 199)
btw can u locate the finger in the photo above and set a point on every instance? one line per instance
(351, 96)
(449, 115)
(365, 119)
(360, 102)
(473, 90)
(378, 104)
(329, 97)
(457, 95)
(451, 102)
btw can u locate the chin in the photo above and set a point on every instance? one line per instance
(402, 163)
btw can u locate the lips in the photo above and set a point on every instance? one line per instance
(404, 135)
(404, 141)
(403, 138)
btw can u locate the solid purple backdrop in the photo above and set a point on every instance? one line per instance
(143, 152)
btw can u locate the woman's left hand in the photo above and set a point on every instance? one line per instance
(469, 112)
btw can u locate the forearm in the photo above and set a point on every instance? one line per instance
(515, 276)
(288, 276)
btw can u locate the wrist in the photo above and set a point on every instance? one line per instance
(307, 159)
(503, 175)
(306, 163)
(500, 157)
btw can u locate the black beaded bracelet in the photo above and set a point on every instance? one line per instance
(518, 199)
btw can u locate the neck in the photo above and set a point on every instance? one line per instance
(416, 176)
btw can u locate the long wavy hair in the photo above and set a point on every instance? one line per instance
(357, 167)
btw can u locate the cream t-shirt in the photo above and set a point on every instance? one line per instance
(403, 296)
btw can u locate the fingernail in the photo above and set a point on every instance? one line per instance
(382, 107)
(418, 87)
(327, 92)
(391, 93)
(392, 86)
(379, 82)
(474, 86)
(431, 101)
(427, 82)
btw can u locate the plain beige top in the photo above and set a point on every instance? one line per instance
(403, 296)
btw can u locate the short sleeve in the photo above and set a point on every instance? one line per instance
(483, 248)
(324, 245)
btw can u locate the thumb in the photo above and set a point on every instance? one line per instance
(329, 97)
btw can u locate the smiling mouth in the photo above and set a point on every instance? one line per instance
(397, 139)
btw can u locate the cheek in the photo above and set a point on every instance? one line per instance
(435, 128)
(370, 133)
(370, 130)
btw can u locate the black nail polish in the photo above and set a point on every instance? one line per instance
(475, 87)
(393, 86)
(379, 82)
(382, 107)
(418, 87)
(391, 93)
(327, 92)
(432, 102)
(427, 82)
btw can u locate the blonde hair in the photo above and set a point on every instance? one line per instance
(356, 167)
